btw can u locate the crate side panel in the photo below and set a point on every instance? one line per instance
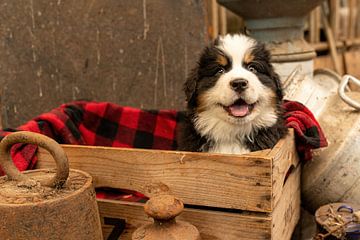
(287, 212)
(212, 225)
(285, 160)
(226, 181)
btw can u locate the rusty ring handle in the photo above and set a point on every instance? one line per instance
(43, 141)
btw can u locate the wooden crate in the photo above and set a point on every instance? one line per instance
(247, 196)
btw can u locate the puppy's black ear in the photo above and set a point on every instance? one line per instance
(190, 87)
(216, 41)
(273, 75)
(245, 31)
(279, 89)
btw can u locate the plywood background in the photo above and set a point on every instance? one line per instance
(135, 53)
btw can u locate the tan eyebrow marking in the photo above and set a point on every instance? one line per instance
(248, 57)
(222, 60)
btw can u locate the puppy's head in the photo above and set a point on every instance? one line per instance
(234, 82)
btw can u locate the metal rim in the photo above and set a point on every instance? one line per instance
(343, 85)
(62, 171)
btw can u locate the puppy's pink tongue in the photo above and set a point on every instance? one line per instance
(239, 110)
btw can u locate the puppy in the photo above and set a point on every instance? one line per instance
(233, 99)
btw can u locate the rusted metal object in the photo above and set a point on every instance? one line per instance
(45, 204)
(163, 208)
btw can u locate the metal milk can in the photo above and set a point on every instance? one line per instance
(334, 173)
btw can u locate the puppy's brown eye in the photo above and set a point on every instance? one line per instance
(252, 69)
(220, 70)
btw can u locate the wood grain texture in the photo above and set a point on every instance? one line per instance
(248, 182)
(314, 25)
(253, 182)
(227, 181)
(352, 19)
(352, 64)
(327, 61)
(212, 225)
(331, 40)
(287, 211)
(285, 159)
(334, 16)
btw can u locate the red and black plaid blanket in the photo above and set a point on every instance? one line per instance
(108, 124)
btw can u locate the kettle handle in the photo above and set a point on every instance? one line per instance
(43, 141)
(341, 90)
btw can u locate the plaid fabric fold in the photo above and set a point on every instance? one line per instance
(108, 124)
(308, 133)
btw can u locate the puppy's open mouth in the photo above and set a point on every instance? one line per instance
(239, 108)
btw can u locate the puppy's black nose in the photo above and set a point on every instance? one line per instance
(239, 85)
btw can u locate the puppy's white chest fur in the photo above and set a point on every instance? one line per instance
(225, 137)
(229, 148)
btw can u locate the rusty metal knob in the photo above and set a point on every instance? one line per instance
(163, 208)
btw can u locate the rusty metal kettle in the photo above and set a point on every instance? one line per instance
(43, 203)
(163, 208)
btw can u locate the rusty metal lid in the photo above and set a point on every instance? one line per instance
(40, 185)
(29, 192)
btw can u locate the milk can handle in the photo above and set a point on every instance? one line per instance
(343, 84)
(43, 141)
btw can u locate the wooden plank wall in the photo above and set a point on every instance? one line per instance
(338, 47)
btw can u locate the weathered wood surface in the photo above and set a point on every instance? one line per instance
(253, 182)
(327, 62)
(134, 53)
(352, 63)
(216, 225)
(213, 225)
(332, 42)
(286, 213)
(228, 181)
(285, 159)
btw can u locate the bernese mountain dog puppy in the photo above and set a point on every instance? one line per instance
(233, 98)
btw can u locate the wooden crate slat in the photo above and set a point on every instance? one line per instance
(216, 180)
(253, 182)
(286, 213)
(284, 158)
(211, 224)
(220, 225)
(227, 181)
